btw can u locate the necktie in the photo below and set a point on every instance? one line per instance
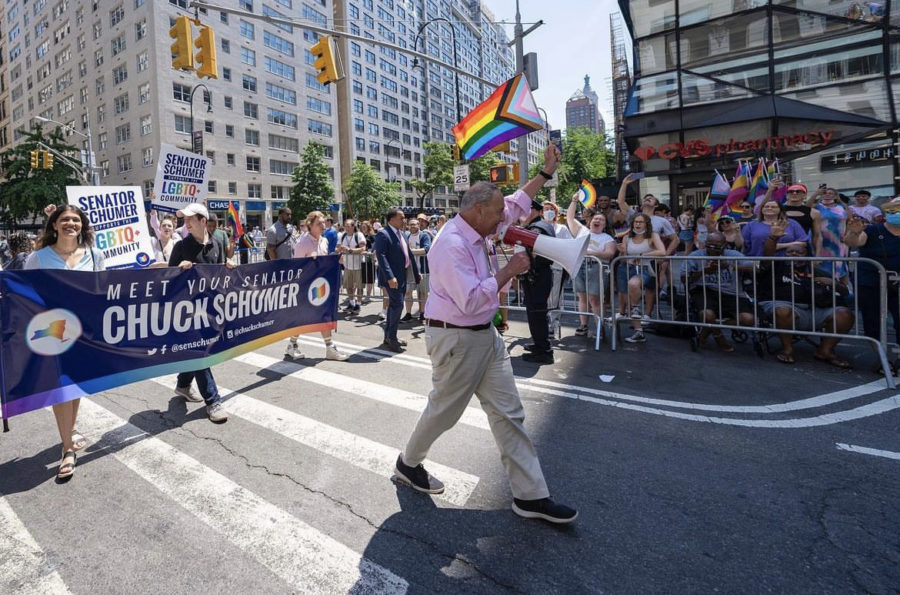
(403, 245)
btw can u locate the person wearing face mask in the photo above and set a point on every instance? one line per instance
(537, 284)
(832, 225)
(881, 243)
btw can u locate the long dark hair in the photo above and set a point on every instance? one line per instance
(648, 226)
(49, 235)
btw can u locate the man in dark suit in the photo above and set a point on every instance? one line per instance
(393, 258)
(537, 284)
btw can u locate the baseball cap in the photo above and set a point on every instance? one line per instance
(800, 187)
(194, 209)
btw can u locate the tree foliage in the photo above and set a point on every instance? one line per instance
(368, 195)
(24, 191)
(585, 156)
(438, 162)
(312, 189)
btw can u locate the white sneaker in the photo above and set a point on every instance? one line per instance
(382, 315)
(637, 337)
(620, 316)
(645, 320)
(292, 351)
(636, 313)
(188, 394)
(333, 353)
(216, 413)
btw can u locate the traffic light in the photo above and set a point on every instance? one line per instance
(182, 52)
(500, 174)
(324, 62)
(455, 149)
(502, 148)
(206, 57)
(48, 160)
(35, 159)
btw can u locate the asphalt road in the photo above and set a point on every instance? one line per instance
(692, 472)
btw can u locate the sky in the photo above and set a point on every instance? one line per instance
(572, 42)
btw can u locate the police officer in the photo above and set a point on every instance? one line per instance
(537, 283)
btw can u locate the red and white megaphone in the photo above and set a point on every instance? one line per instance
(568, 253)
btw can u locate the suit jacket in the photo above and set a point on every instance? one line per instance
(391, 262)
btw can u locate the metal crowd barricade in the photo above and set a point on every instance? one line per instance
(751, 274)
(565, 302)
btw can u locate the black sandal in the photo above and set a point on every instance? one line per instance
(66, 469)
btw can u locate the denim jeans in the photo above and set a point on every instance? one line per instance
(205, 383)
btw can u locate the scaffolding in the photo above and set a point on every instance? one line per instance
(621, 86)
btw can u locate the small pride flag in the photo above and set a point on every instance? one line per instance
(587, 195)
(508, 113)
(233, 219)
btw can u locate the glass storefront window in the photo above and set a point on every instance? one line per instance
(816, 28)
(750, 71)
(828, 61)
(869, 12)
(697, 89)
(657, 54)
(895, 55)
(653, 93)
(652, 16)
(868, 98)
(725, 38)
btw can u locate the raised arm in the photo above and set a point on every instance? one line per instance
(571, 222)
(551, 162)
(623, 190)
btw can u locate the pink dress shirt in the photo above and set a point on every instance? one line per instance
(307, 246)
(463, 290)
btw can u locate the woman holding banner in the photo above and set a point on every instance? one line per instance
(67, 244)
(312, 245)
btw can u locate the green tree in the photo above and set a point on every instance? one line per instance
(312, 189)
(24, 191)
(585, 156)
(368, 194)
(438, 162)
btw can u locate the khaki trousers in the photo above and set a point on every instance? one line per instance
(466, 362)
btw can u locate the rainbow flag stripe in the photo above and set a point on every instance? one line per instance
(587, 195)
(234, 220)
(509, 112)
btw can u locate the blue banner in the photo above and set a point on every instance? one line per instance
(67, 334)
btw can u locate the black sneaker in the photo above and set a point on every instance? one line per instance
(545, 509)
(406, 318)
(538, 357)
(417, 478)
(421, 318)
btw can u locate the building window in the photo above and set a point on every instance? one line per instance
(229, 159)
(140, 30)
(228, 102)
(247, 29)
(232, 187)
(124, 162)
(208, 127)
(146, 125)
(123, 133)
(254, 190)
(275, 116)
(144, 93)
(317, 127)
(251, 110)
(182, 124)
(229, 130)
(226, 73)
(249, 83)
(116, 15)
(284, 143)
(117, 45)
(120, 103)
(251, 137)
(143, 61)
(248, 56)
(282, 168)
(181, 92)
(120, 74)
(226, 46)
(147, 157)
(252, 163)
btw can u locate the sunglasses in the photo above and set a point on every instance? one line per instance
(795, 192)
(745, 206)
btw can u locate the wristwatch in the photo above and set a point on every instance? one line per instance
(546, 175)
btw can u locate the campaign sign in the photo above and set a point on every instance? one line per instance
(118, 219)
(181, 179)
(67, 334)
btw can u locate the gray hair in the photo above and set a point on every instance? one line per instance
(480, 193)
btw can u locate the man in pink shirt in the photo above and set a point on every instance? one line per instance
(468, 355)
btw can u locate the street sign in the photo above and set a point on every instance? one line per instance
(460, 178)
(197, 142)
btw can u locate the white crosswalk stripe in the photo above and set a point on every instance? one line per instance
(472, 416)
(345, 446)
(24, 567)
(307, 559)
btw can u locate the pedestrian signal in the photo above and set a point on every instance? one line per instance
(205, 59)
(324, 61)
(500, 174)
(182, 52)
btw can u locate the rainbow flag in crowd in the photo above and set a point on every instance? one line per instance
(738, 192)
(759, 184)
(587, 195)
(233, 220)
(718, 192)
(509, 112)
(780, 193)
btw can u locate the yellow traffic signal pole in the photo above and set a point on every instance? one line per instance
(183, 48)
(49, 154)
